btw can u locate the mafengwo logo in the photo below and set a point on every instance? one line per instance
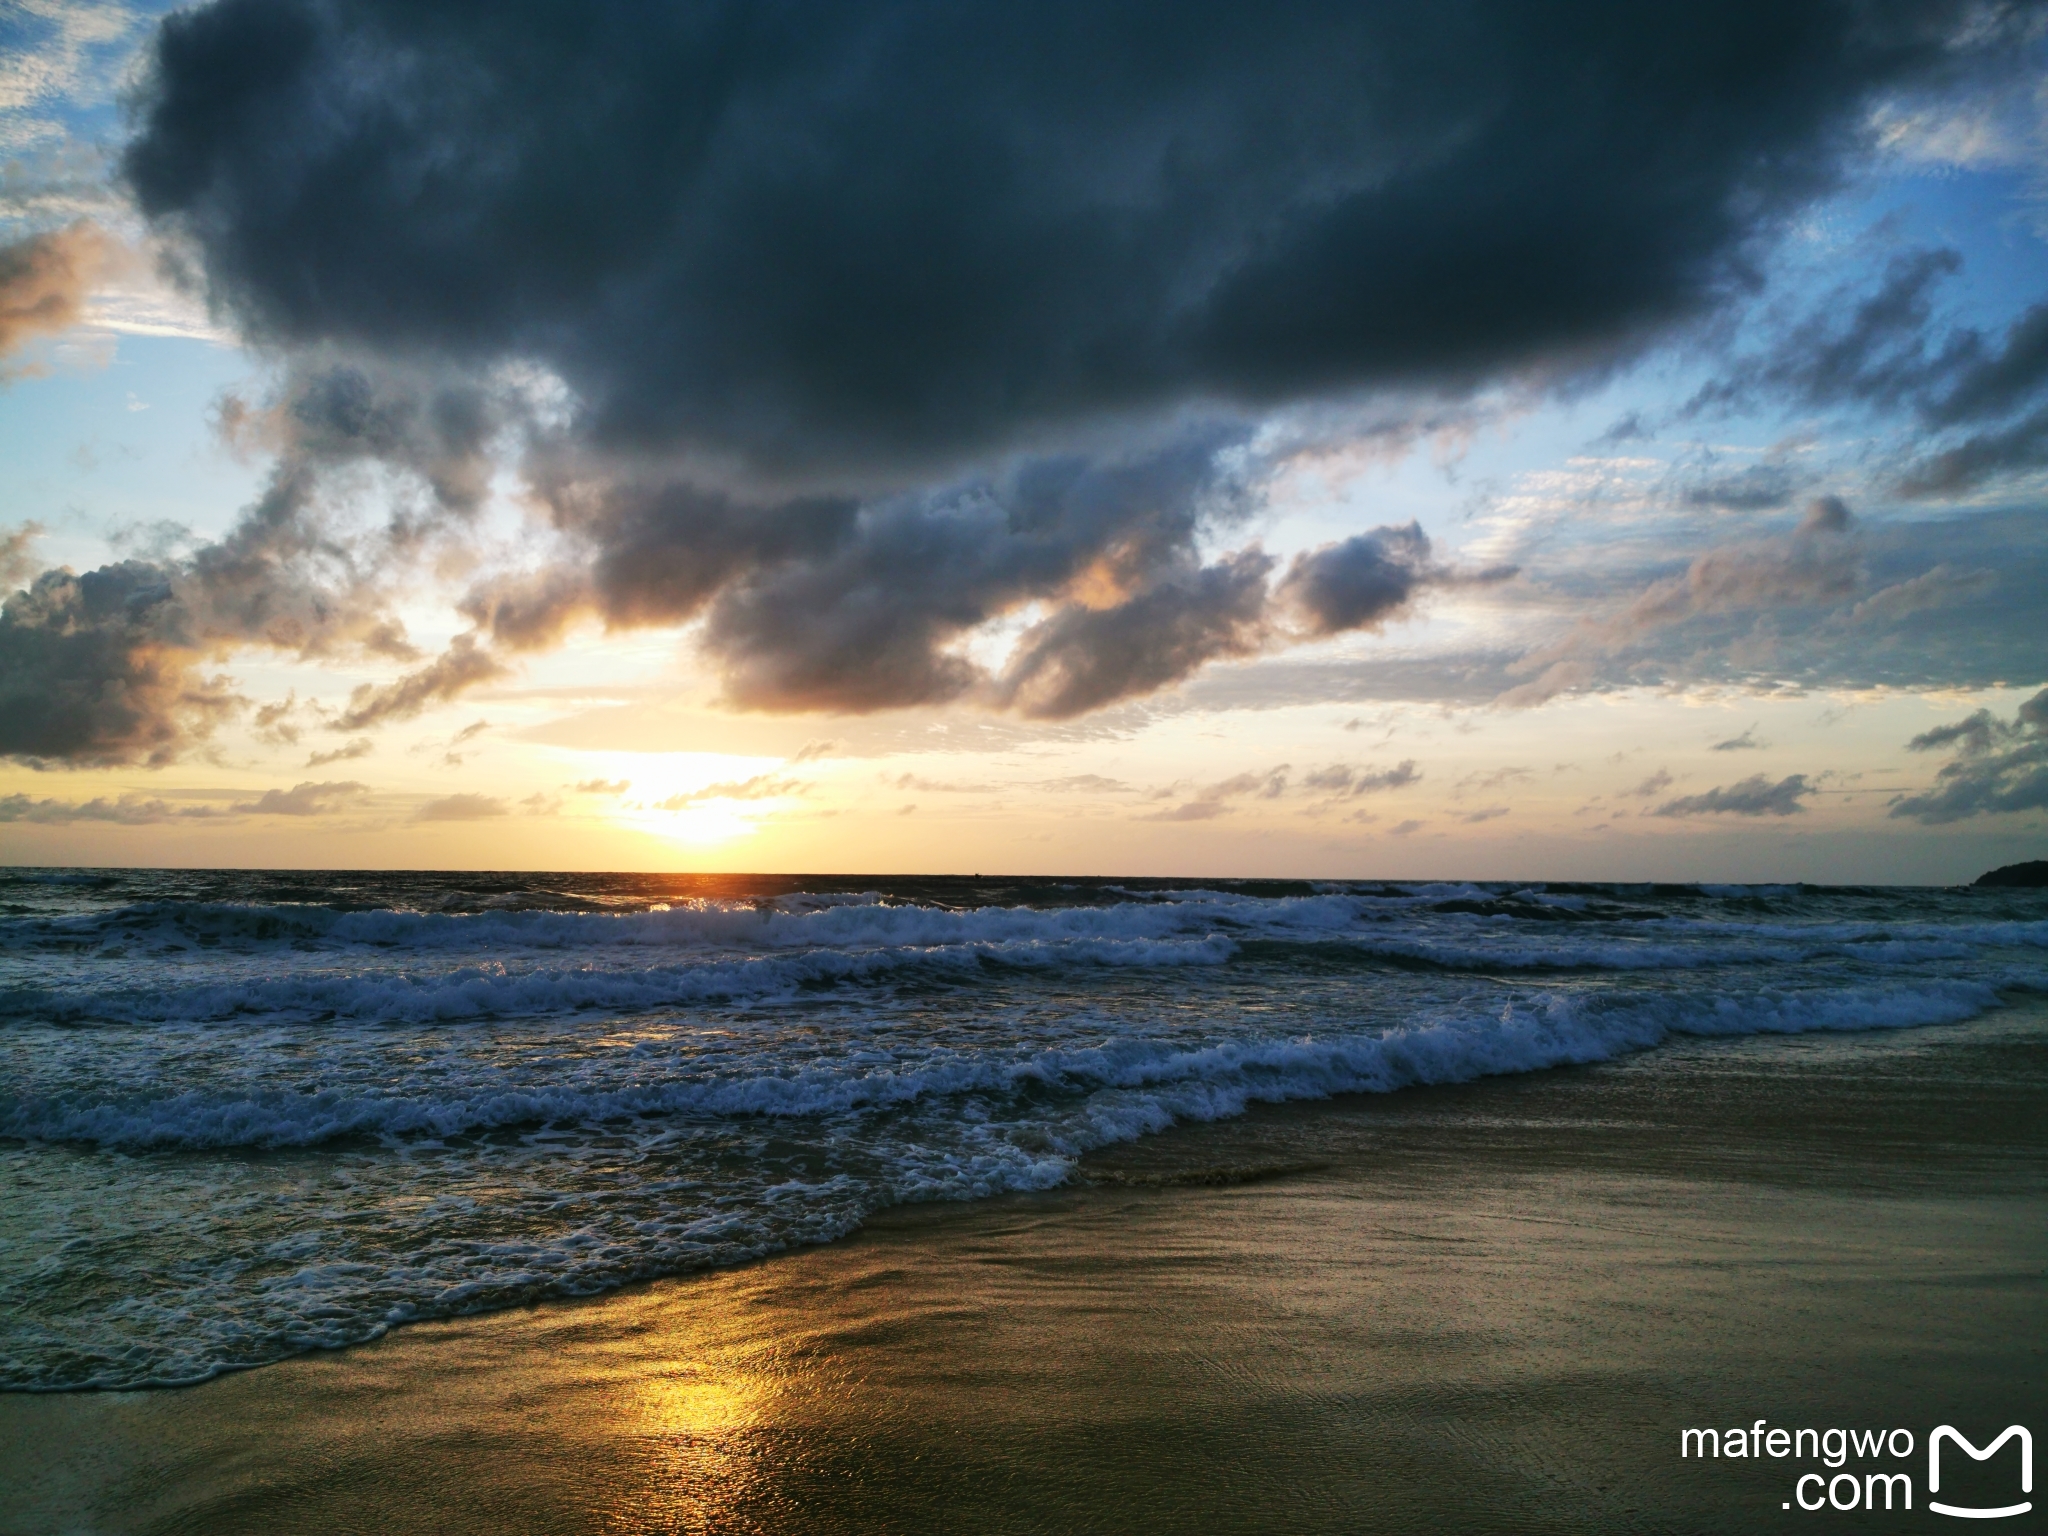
(1954, 1436)
(1841, 1488)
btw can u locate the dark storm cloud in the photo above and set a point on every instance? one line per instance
(1754, 796)
(875, 319)
(1997, 765)
(873, 231)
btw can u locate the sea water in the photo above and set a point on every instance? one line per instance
(245, 1115)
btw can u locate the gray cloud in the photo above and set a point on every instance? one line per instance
(462, 808)
(1746, 742)
(104, 667)
(1360, 582)
(346, 752)
(100, 668)
(1818, 564)
(1885, 350)
(872, 618)
(1191, 810)
(1083, 658)
(1085, 783)
(303, 799)
(16, 564)
(765, 786)
(1757, 488)
(44, 281)
(1210, 802)
(1853, 348)
(127, 811)
(1342, 779)
(1753, 796)
(461, 667)
(134, 810)
(1936, 588)
(1978, 458)
(1998, 766)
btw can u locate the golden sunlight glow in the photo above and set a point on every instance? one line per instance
(715, 822)
(699, 798)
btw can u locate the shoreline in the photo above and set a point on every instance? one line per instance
(1486, 1306)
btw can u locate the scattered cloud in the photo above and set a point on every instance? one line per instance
(461, 667)
(1818, 563)
(461, 808)
(126, 810)
(303, 799)
(348, 751)
(1342, 779)
(1209, 802)
(308, 799)
(765, 786)
(1997, 766)
(1756, 795)
(45, 280)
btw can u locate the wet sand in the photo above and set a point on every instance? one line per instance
(1484, 1308)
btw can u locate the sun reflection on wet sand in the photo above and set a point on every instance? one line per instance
(1412, 1314)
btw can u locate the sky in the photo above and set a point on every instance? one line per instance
(1497, 440)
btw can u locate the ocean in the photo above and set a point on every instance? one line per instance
(246, 1115)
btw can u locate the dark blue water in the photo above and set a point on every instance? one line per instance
(244, 1115)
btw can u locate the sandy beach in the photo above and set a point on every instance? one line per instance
(1491, 1307)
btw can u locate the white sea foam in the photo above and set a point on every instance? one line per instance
(261, 1126)
(1523, 1035)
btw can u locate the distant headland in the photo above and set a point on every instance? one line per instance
(2033, 872)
